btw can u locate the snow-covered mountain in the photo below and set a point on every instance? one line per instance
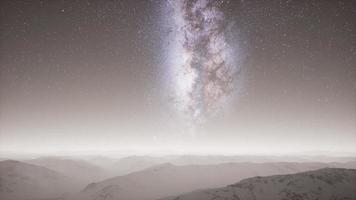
(167, 179)
(19, 180)
(322, 184)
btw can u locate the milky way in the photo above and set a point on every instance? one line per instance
(203, 68)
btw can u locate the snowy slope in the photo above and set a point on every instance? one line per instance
(322, 184)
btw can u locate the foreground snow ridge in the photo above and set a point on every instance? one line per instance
(322, 184)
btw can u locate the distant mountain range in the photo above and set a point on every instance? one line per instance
(143, 177)
(322, 184)
(81, 171)
(167, 179)
(131, 164)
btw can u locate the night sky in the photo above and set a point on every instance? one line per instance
(107, 75)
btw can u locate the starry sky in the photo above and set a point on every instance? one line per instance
(91, 75)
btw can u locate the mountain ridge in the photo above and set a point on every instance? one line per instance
(321, 184)
(20, 180)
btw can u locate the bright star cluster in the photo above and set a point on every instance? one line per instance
(203, 69)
